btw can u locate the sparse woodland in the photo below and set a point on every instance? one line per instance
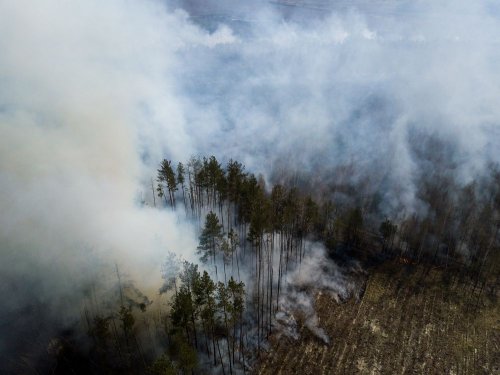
(219, 314)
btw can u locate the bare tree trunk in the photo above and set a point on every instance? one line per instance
(153, 190)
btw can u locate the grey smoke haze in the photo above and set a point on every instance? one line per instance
(93, 94)
(76, 79)
(354, 87)
(315, 274)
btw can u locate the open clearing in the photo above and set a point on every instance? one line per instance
(410, 320)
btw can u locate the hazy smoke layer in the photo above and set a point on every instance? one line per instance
(316, 274)
(84, 86)
(359, 86)
(93, 94)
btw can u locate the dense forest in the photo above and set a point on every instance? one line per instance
(218, 315)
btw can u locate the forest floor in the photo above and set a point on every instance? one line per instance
(410, 320)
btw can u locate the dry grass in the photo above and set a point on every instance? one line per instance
(409, 321)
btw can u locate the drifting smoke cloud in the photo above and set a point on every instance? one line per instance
(83, 86)
(93, 94)
(353, 88)
(316, 274)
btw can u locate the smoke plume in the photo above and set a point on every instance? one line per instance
(315, 274)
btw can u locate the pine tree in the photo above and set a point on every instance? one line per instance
(236, 308)
(181, 172)
(204, 298)
(166, 176)
(210, 238)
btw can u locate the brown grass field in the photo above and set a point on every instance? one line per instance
(410, 320)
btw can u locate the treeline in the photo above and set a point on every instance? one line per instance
(454, 226)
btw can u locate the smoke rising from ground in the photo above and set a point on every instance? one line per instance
(316, 274)
(94, 94)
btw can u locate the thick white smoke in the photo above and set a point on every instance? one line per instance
(360, 85)
(84, 86)
(316, 274)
